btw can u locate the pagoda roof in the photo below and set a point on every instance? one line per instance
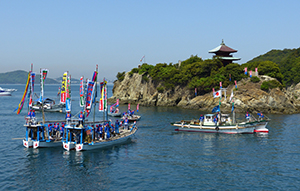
(222, 48)
(229, 58)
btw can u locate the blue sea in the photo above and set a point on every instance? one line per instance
(158, 158)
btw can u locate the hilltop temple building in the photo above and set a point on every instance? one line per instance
(223, 52)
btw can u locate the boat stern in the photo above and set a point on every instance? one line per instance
(36, 144)
(68, 146)
(79, 147)
(27, 144)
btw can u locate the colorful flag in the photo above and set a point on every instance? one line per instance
(63, 94)
(103, 97)
(68, 91)
(20, 106)
(43, 77)
(217, 94)
(81, 93)
(89, 93)
(32, 76)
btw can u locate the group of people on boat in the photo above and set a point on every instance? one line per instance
(30, 119)
(100, 131)
(129, 113)
(56, 130)
(248, 116)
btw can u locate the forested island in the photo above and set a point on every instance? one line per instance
(20, 77)
(175, 84)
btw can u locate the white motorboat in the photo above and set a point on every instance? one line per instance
(6, 92)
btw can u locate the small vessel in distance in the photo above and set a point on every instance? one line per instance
(6, 92)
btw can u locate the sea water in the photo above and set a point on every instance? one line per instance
(158, 158)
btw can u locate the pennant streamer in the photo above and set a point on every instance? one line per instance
(19, 108)
(63, 94)
(81, 93)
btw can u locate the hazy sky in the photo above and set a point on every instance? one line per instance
(76, 35)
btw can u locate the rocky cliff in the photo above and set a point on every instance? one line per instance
(248, 96)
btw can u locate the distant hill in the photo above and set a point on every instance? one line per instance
(20, 77)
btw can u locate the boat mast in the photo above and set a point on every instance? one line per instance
(42, 96)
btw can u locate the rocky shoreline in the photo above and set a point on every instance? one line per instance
(248, 96)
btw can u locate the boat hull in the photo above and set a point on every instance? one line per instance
(107, 143)
(5, 94)
(246, 129)
(99, 145)
(261, 127)
(114, 114)
(46, 144)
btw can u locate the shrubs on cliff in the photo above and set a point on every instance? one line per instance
(255, 79)
(121, 76)
(270, 85)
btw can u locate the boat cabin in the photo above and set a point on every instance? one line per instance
(209, 119)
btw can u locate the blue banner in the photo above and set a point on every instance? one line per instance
(216, 109)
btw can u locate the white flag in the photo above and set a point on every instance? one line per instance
(231, 96)
(217, 94)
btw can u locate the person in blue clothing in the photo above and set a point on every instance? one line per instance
(247, 116)
(107, 131)
(81, 118)
(68, 118)
(117, 124)
(215, 120)
(50, 129)
(201, 119)
(261, 116)
(62, 129)
(132, 113)
(126, 123)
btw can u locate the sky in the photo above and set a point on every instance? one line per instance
(77, 35)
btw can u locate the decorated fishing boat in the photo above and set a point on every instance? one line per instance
(208, 125)
(222, 123)
(114, 110)
(130, 116)
(88, 135)
(6, 92)
(39, 133)
(49, 105)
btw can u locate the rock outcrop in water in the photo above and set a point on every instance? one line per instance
(248, 97)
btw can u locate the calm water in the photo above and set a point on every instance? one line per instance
(157, 159)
